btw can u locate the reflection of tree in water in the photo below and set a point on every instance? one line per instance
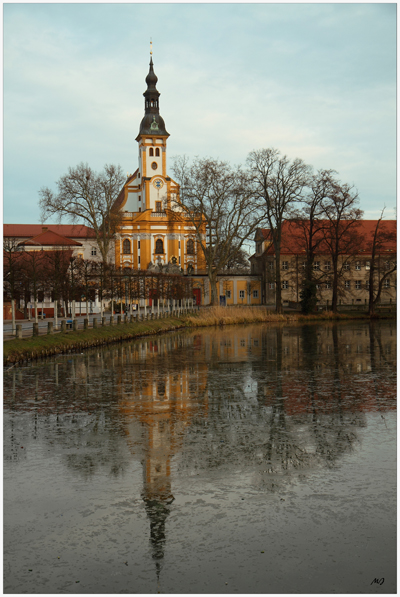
(72, 410)
(300, 416)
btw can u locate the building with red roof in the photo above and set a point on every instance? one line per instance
(354, 267)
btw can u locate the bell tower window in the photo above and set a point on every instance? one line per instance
(151, 152)
(157, 152)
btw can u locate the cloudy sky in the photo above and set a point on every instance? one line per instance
(316, 81)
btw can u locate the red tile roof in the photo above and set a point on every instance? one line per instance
(292, 239)
(48, 238)
(31, 230)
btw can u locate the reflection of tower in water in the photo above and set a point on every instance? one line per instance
(165, 395)
(157, 493)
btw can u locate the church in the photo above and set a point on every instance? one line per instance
(153, 231)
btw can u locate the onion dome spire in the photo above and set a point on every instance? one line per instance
(152, 123)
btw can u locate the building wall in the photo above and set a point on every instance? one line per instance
(353, 285)
(237, 289)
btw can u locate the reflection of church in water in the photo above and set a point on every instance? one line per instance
(164, 397)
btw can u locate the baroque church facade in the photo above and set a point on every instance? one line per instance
(153, 231)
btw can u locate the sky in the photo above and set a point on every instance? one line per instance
(316, 81)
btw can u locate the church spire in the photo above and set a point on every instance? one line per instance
(152, 123)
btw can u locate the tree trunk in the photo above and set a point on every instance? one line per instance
(278, 282)
(214, 290)
(371, 305)
(335, 288)
(36, 313)
(13, 315)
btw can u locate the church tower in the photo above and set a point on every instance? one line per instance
(154, 231)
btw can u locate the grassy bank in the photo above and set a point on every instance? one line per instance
(235, 315)
(16, 351)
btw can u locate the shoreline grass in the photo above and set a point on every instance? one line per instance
(27, 349)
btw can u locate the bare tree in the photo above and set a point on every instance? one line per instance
(280, 184)
(308, 233)
(87, 197)
(382, 240)
(33, 265)
(239, 262)
(341, 234)
(56, 267)
(86, 275)
(218, 201)
(12, 272)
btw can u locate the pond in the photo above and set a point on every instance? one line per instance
(245, 459)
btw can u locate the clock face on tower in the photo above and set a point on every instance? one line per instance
(158, 183)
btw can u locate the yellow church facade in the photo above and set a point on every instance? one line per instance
(154, 232)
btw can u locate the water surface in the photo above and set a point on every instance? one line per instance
(252, 459)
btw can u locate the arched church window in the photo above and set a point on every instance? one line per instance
(159, 246)
(126, 247)
(157, 152)
(190, 247)
(151, 152)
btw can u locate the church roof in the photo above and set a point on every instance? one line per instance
(120, 200)
(152, 122)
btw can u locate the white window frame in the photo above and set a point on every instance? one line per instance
(285, 265)
(255, 293)
(241, 294)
